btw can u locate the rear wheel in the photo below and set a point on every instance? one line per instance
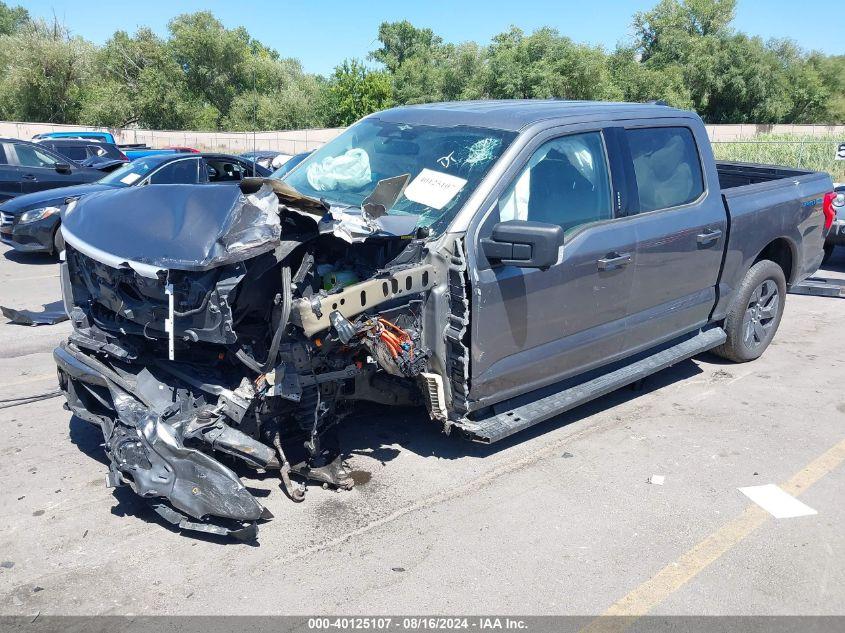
(754, 316)
(58, 241)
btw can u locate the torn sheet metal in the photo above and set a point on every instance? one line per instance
(286, 194)
(51, 314)
(182, 227)
(352, 225)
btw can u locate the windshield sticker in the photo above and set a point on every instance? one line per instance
(128, 179)
(433, 188)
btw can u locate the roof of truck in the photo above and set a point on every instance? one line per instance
(517, 114)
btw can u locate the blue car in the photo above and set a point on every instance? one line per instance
(132, 151)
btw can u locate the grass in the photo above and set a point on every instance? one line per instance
(805, 152)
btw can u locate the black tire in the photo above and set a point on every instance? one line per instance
(754, 315)
(828, 253)
(58, 241)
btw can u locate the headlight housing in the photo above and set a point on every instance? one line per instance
(33, 215)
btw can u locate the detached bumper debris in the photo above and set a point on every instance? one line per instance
(235, 331)
(52, 314)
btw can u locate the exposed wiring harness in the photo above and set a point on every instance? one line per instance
(394, 338)
(396, 349)
(286, 302)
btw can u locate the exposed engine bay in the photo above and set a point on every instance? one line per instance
(262, 319)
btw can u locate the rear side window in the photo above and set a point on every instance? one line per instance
(74, 152)
(666, 165)
(180, 172)
(222, 170)
(3, 159)
(30, 156)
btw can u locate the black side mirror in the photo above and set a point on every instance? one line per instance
(523, 243)
(62, 168)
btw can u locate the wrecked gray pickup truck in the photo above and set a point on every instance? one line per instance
(498, 262)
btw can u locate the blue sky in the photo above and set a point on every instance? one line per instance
(322, 33)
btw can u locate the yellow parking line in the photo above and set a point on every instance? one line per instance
(669, 579)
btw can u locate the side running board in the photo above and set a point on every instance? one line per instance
(500, 425)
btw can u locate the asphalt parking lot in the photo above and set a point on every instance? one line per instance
(559, 520)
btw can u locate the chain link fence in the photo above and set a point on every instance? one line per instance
(808, 152)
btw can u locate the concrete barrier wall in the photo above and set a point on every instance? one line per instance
(750, 130)
(295, 141)
(288, 141)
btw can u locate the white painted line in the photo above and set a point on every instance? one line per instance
(776, 501)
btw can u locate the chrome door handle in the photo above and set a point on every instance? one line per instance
(614, 260)
(708, 236)
(28, 176)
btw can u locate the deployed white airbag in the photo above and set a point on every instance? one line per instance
(350, 170)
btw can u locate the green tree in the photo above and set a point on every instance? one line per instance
(402, 41)
(668, 30)
(203, 75)
(12, 19)
(640, 82)
(545, 65)
(284, 98)
(355, 91)
(831, 71)
(212, 57)
(730, 77)
(44, 73)
(118, 92)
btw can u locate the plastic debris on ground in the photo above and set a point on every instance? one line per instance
(52, 314)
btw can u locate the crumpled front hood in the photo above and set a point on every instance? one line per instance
(183, 227)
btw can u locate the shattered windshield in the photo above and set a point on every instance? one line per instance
(130, 173)
(445, 165)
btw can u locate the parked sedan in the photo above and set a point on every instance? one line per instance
(30, 223)
(27, 167)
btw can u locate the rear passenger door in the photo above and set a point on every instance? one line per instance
(680, 224)
(37, 168)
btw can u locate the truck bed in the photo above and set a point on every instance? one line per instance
(759, 198)
(740, 174)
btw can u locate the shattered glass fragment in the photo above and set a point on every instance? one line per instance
(482, 151)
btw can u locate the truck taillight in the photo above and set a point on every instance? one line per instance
(829, 211)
